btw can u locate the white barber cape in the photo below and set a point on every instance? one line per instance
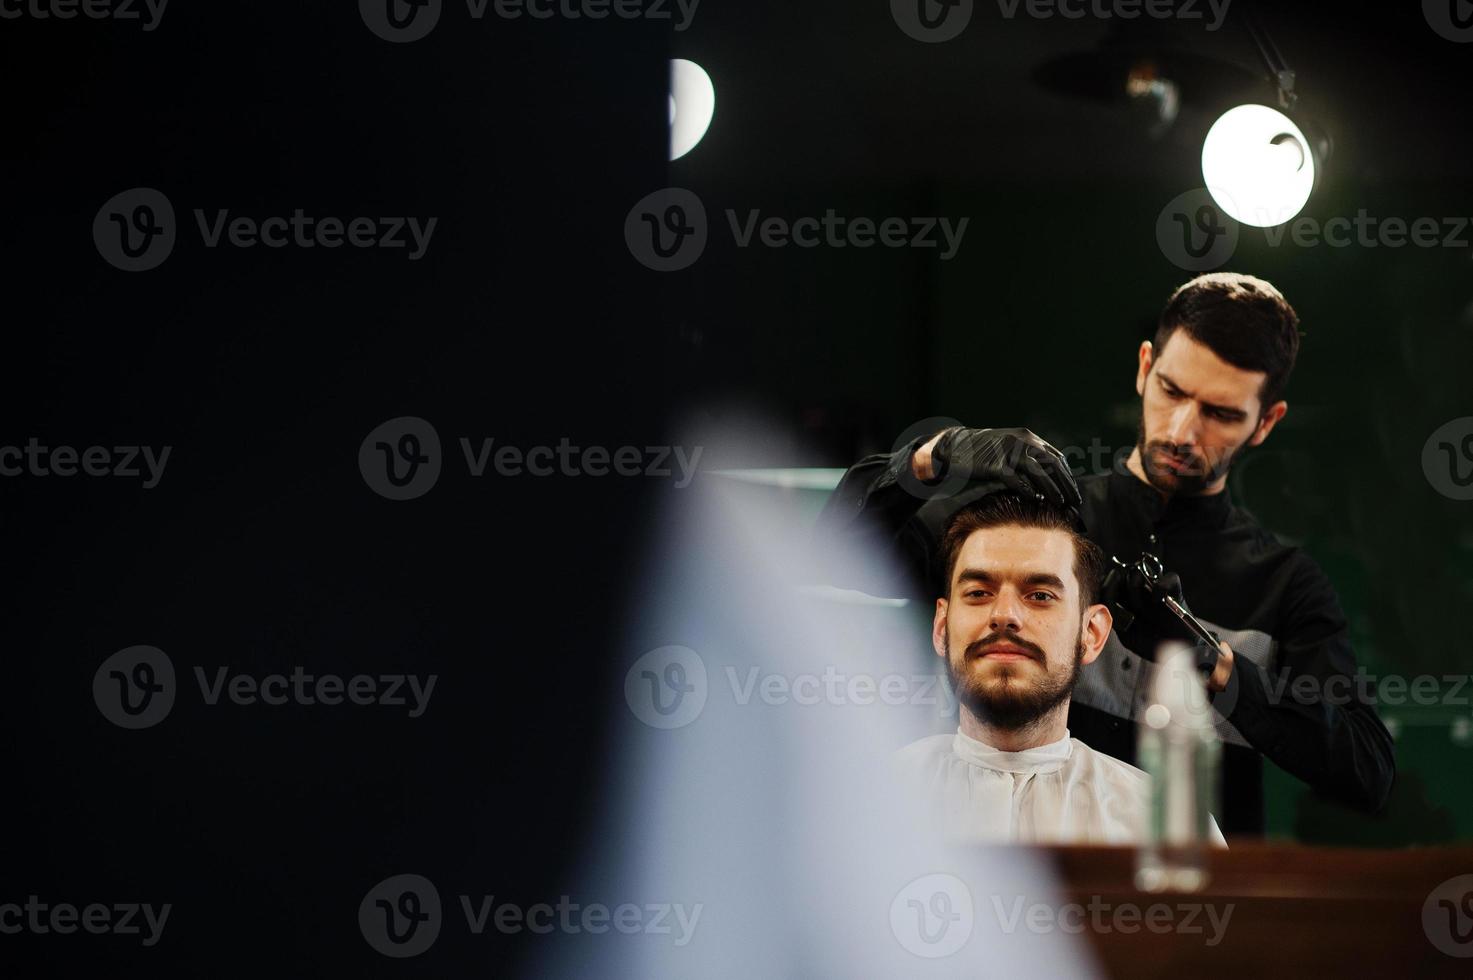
(1060, 793)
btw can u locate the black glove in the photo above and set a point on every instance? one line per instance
(1138, 593)
(1015, 457)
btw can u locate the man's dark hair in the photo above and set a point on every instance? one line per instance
(1014, 510)
(1243, 320)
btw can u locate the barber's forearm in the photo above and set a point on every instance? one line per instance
(1341, 750)
(870, 492)
(864, 515)
(921, 463)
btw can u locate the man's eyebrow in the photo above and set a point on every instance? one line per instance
(1220, 409)
(986, 575)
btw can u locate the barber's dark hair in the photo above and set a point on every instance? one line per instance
(1243, 320)
(1015, 510)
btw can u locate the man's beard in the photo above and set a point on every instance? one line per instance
(1007, 700)
(1194, 480)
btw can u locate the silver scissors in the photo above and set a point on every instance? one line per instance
(1150, 569)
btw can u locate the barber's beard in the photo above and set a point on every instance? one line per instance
(1014, 696)
(1199, 475)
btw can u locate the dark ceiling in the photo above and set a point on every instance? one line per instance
(836, 91)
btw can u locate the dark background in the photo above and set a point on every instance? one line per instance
(528, 320)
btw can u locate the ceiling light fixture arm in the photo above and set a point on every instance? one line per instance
(1279, 72)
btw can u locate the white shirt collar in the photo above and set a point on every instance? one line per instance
(1039, 759)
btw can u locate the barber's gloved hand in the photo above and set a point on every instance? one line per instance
(1145, 601)
(1154, 594)
(1141, 598)
(1015, 457)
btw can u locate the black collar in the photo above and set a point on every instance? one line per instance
(1158, 509)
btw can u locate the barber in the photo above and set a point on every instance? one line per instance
(1211, 385)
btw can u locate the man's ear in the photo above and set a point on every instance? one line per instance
(1095, 631)
(1144, 357)
(1270, 419)
(938, 629)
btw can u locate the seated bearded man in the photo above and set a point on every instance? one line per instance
(1020, 617)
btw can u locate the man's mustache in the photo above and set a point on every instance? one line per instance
(1195, 463)
(975, 648)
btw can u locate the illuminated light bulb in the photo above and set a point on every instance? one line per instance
(1257, 165)
(692, 104)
